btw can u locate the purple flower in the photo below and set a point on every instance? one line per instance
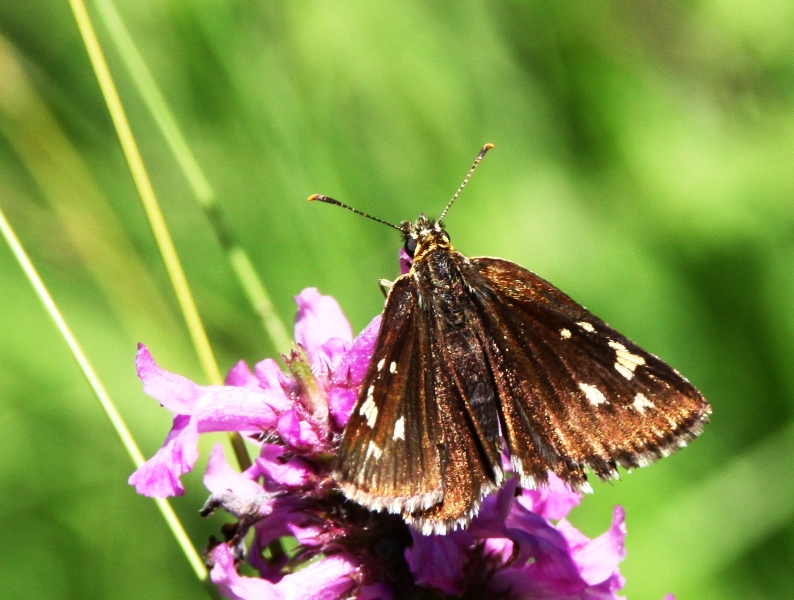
(519, 546)
(263, 401)
(327, 579)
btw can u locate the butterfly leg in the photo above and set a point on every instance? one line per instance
(385, 287)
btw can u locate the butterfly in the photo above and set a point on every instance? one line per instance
(479, 356)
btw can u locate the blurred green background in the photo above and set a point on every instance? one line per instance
(644, 163)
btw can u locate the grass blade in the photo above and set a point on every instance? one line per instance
(102, 395)
(153, 212)
(242, 266)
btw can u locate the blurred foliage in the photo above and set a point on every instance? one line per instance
(643, 164)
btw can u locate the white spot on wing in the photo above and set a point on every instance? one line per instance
(593, 394)
(565, 333)
(399, 429)
(641, 403)
(627, 373)
(373, 450)
(626, 361)
(393, 367)
(381, 362)
(586, 326)
(369, 410)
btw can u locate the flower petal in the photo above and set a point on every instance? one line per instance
(295, 472)
(598, 559)
(220, 477)
(340, 405)
(490, 522)
(554, 501)
(287, 510)
(230, 408)
(215, 407)
(159, 476)
(178, 394)
(558, 560)
(439, 560)
(327, 579)
(499, 550)
(332, 352)
(308, 535)
(319, 319)
(405, 261)
(377, 591)
(272, 379)
(232, 585)
(353, 366)
(297, 432)
(547, 547)
(241, 376)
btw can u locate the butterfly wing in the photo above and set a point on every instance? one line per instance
(384, 460)
(569, 392)
(413, 444)
(573, 392)
(469, 419)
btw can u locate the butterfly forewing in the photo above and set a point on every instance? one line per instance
(389, 458)
(589, 396)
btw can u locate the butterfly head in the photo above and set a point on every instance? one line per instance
(423, 235)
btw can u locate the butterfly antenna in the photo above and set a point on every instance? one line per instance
(466, 179)
(327, 200)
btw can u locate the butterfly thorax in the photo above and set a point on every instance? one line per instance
(436, 268)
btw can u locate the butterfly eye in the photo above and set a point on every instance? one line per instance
(410, 246)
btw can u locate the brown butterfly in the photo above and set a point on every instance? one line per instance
(477, 355)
